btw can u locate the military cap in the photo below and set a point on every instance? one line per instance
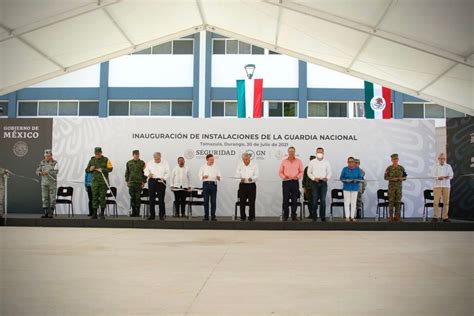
(48, 151)
(356, 160)
(394, 156)
(97, 150)
(136, 152)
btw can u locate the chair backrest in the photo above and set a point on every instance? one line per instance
(144, 192)
(197, 193)
(428, 194)
(337, 194)
(65, 191)
(382, 194)
(114, 192)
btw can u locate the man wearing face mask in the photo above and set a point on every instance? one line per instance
(319, 171)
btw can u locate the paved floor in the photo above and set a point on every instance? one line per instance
(88, 271)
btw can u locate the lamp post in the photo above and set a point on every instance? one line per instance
(249, 69)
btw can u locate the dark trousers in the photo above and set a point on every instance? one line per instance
(291, 191)
(247, 192)
(209, 192)
(180, 201)
(89, 196)
(319, 190)
(156, 191)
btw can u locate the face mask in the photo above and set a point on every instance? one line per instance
(319, 155)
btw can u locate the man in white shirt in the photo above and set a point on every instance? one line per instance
(209, 174)
(319, 171)
(248, 173)
(157, 171)
(180, 182)
(443, 174)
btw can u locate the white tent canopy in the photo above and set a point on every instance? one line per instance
(424, 48)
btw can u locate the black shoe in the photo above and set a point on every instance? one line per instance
(214, 219)
(251, 219)
(434, 220)
(446, 220)
(315, 219)
(284, 219)
(44, 216)
(294, 219)
(150, 218)
(94, 216)
(162, 219)
(102, 216)
(323, 219)
(243, 219)
(205, 219)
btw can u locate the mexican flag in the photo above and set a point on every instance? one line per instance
(249, 98)
(378, 101)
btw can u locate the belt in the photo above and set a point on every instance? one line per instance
(210, 182)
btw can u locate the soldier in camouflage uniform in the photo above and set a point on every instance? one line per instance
(99, 165)
(362, 186)
(394, 174)
(48, 171)
(135, 179)
(3, 173)
(307, 188)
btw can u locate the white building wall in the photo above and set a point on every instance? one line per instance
(84, 78)
(277, 71)
(320, 77)
(151, 71)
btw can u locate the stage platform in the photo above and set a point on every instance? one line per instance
(226, 223)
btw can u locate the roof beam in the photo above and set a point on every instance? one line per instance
(58, 18)
(36, 49)
(369, 37)
(201, 12)
(277, 31)
(367, 29)
(117, 26)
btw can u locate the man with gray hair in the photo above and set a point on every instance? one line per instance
(443, 173)
(48, 171)
(248, 173)
(157, 172)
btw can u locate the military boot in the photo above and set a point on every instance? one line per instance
(51, 213)
(94, 213)
(390, 215)
(102, 216)
(397, 217)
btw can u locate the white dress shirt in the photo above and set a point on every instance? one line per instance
(246, 172)
(180, 177)
(319, 169)
(159, 170)
(442, 171)
(212, 172)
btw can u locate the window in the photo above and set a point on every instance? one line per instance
(327, 109)
(434, 111)
(118, 108)
(28, 108)
(181, 108)
(68, 108)
(160, 108)
(317, 109)
(453, 113)
(221, 46)
(88, 108)
(164, 48)
(3, 108)
(224, 108)
(282, 109)
(177, 47)
(337, 109)
(413, 110)
(48, 108)
(271, 52)
(359, 109)
(183, 47)
(153, 108)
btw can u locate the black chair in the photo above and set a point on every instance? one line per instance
(66, 198)
(145, 200)
(382, 202)
(110, 199)
(237, 205)
(195, 198)
(336, 196)
(429, 202)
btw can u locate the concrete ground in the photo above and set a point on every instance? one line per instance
(89, 271)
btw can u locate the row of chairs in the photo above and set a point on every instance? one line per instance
(196, 198)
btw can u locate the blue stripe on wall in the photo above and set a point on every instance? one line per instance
(151, 93)
(207, 87)
(12, 104)
(58, 94)
(103, 89)
(302, 89)
(196, 75)
(268, 94)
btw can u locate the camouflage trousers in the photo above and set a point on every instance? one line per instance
(135, 189)
(48, 195)
(99, 192)
(394, 199)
